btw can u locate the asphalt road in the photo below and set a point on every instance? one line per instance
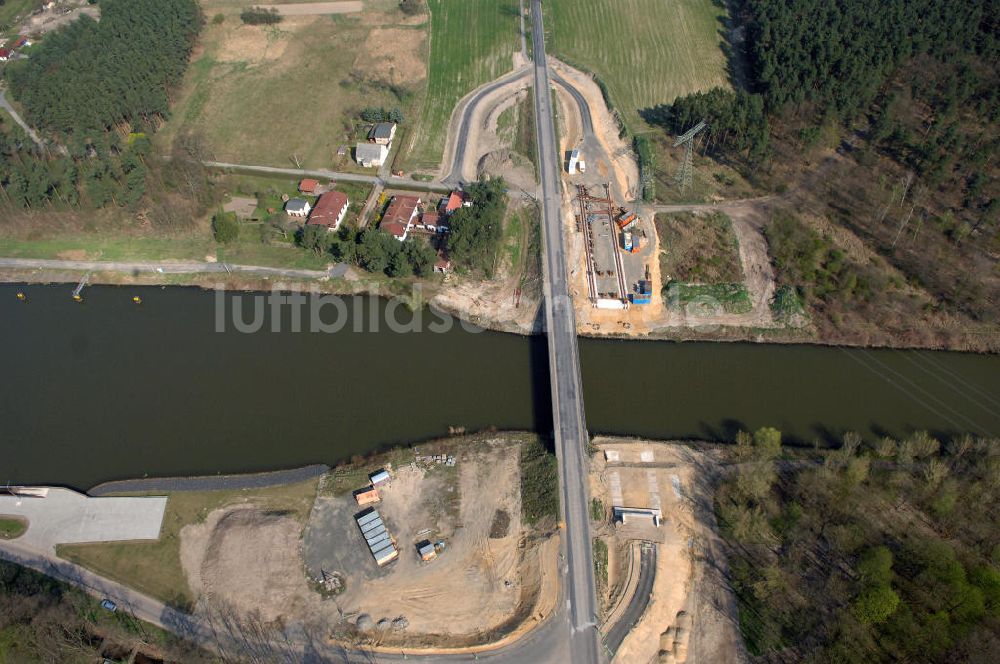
(638, 602)
(564, 366)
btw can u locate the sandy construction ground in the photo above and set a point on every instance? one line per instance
(486, 584)
(689, 568)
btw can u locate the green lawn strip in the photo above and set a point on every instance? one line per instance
(733, 298)
(601, 564)
(12, 527)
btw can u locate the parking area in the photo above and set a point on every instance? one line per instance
(61, 516)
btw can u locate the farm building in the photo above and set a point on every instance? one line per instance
(371, 155)
(308, 186)
(367, 496)
(399, 216)
(380, 476)
(382, 133)
(297, 207)
(330, 210)
(4, 54)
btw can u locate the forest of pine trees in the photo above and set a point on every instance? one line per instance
(95, 90)
(91, 76)
(837, 57)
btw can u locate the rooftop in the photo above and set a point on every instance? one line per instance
(328, 208)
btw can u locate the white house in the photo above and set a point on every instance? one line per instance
(297, 207)
(371, 155)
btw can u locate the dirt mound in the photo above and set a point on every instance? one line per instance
(495, 163)
(246, 558)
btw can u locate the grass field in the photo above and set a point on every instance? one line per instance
(700, 261)
(12, 527)
(248, 250)
(290, 93)
(647, 52)
(155, 567)
(11, 9)
(472, 42)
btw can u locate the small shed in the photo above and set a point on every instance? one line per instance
(367, 496)
(379, 477)
(426, 550)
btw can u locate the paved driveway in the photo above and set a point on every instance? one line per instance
(67, 517)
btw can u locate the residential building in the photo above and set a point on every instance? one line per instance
(297, 207)
(308, 186)
(429, 221)
(371, 155)
(382, 133)
(454, 201)
(399, 217)
(380, 476)
(4, 54)
(443, 264)
(330, 210)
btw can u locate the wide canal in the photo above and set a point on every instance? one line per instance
(111, 389)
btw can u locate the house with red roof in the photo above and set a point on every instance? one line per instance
(4, 54)
(400, 216)
(454, 201)
(308, 186)
(329, 211)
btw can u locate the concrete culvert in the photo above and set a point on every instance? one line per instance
(383, 624)
(364, 622)
(400, 623)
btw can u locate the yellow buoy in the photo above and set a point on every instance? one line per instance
(22, 297)
(137, 299)
(78, 298)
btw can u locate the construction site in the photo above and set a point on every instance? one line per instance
(617, 250)
(432, 551)
(662, 588)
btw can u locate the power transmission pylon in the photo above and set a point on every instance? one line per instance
(685, 172)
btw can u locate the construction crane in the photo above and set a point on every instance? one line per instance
(685, 172)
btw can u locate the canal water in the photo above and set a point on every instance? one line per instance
(110, 389)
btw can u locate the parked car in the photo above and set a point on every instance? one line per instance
(109, 605)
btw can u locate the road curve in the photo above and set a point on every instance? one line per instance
(564, 366)
(637, 603)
